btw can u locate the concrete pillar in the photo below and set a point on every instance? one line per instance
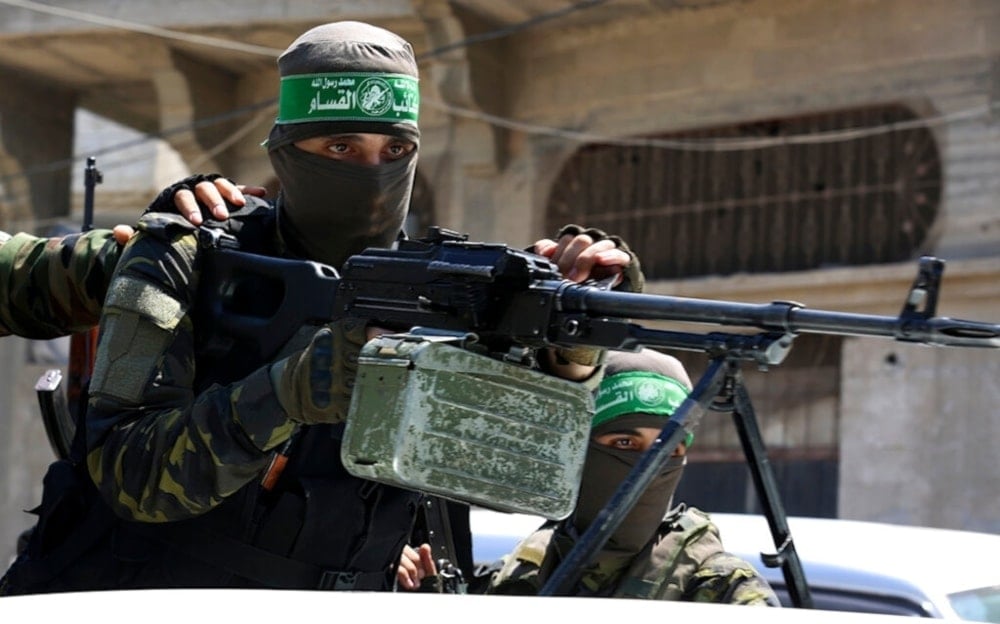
(36, 145)
(247, 160)
(919, 435)
(197, 97)
(36, 148)
(462, 170)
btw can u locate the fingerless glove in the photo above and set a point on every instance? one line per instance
(164, 202)
(632, 278)
(632, 281)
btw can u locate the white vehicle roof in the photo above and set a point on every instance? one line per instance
(849, 554)
(924, 555)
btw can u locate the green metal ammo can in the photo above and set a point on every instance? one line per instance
(430, 416)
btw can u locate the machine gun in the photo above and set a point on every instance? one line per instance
(508, 303)
(515, 301)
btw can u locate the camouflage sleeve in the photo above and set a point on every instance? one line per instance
(725, 578)
(158, 450)
(52, 287)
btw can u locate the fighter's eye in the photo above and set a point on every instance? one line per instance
(399, 150)
(625, 443)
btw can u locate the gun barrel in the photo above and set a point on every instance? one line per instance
(91, 178)
(783, 316)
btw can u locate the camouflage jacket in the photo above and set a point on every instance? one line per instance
(178, 440)
(686, 562)
(185, 450)
(51, 287)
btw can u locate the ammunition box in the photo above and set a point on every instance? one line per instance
(430, 416)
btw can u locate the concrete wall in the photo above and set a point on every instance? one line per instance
(754, 60)
(757, 60)
(919, 432)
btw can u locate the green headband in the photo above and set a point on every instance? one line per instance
(638, 392)
(392, 98)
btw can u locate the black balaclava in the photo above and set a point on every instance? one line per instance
(344, 77)
(638, 390)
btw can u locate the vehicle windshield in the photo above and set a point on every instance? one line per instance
(979, 605)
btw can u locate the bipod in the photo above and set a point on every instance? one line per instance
(735, 398)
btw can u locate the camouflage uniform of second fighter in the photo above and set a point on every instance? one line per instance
(686, 562)
(655, 552)
(52, 287)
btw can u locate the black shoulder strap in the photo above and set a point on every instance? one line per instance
(441, 537)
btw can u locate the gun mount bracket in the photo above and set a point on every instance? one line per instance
(776, 559)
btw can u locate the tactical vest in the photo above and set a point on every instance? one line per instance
(661, 571)
(318, 527)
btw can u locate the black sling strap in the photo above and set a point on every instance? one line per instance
(441, 538)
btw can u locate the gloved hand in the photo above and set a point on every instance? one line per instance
(314, 385)
(164, 202)
(632, 280)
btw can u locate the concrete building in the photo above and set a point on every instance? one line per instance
(753, 150)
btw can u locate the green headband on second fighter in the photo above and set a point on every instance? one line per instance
(638, 392)
(348, 96)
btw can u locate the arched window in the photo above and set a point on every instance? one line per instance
(868, 199)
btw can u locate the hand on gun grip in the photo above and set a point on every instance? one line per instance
(314, 386)
(632, 277)
(632, 280)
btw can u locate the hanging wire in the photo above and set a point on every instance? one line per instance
(711, 144)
